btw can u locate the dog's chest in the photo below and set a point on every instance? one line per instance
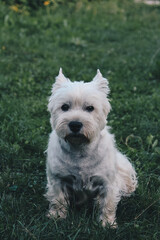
(80, 188)
(80, 176)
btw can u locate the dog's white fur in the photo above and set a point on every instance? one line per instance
(86, 163)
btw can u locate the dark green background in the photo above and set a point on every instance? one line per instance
(120, 38)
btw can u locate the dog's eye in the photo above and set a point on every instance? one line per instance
(65, 107)
(89, 109)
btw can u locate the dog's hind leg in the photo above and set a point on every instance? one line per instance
(126, 175)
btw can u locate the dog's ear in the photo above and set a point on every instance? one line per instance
(101, 82)
(60, 80)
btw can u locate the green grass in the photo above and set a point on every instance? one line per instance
(122, 40)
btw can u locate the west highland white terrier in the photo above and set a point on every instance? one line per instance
(82, 159)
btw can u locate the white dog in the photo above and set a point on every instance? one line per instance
(83, 161)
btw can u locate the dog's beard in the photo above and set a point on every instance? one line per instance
(76, 139)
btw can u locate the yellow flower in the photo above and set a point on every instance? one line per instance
(46, 3)
(14, 8)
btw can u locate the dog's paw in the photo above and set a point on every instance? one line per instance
(57, 213)
(108, 221)
(110, 225)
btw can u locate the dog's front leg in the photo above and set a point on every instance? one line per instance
(108, 206)
(58, 200)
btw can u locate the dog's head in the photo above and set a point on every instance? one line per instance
(79, 110)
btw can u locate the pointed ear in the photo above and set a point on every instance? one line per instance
(60, 80)
(101, 82)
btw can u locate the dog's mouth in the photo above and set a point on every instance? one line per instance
(76, 139)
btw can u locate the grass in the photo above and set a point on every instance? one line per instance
(122, 40)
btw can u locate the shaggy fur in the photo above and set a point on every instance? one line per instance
(82, 159)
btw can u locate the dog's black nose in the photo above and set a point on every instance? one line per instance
(75, 126)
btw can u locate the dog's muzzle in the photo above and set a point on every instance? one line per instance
(76, 137)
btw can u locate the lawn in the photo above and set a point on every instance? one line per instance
(120, 38)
